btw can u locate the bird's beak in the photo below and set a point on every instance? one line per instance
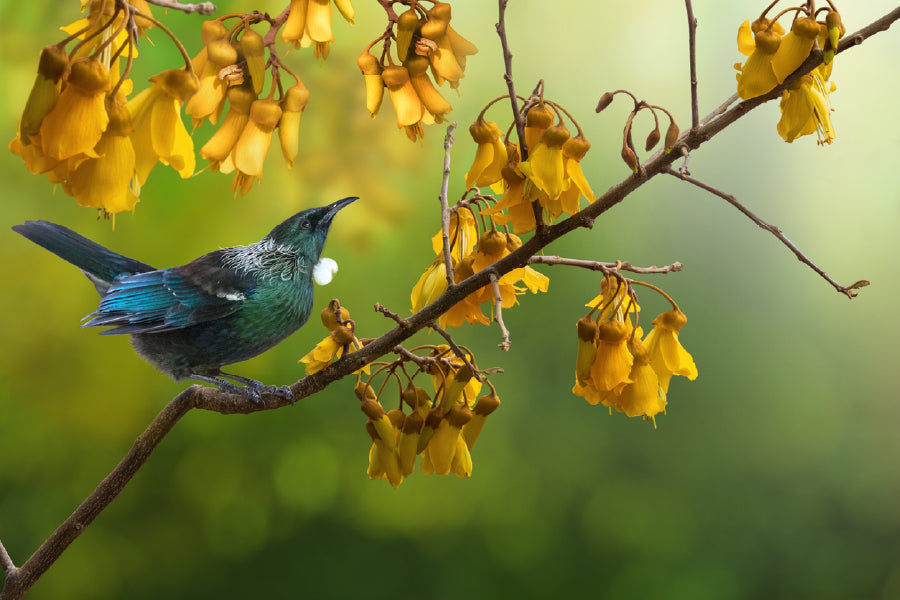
(334, 207)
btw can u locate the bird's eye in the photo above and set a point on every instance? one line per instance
(305, 225)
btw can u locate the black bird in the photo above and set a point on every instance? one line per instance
(224, 307)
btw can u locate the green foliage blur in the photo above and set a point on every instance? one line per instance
(775, 475)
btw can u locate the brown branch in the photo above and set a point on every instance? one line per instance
(692, 52)
(20, 580)
(445, 205)
(204, 8)
(498, 313)
(605, 267)
(849, 290)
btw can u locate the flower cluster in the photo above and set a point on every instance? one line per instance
(469, 254)
(342, 338)
(424, 41)
(232, 67)
(772, 55)
(80, 129)
(550, 176)
(309, 24)
(614, 366)
(441, 427)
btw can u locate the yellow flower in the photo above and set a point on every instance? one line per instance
(448, 60)
(469, 308)
(544, 166)
(573, 151)
(612, 363)
(463, 235)
(538, 119)
(78, 118)
(485, 406)
(309, 23)
(455, 371)
(642, 396)
(407, 105)
(794, 47)
(221, 144)
(217, 54)
(295, 100)
(44, 92)
(805, 109)
(159, 133)
(384, 459)
(434, 103)
(490, 155)
(667, 356)
(520, 212)
(252, 146)
(430, 286)
(371, 70)
(587, 349)
(447, 448)
(756, 76)
(104, 182)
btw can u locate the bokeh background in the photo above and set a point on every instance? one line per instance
(775, 475)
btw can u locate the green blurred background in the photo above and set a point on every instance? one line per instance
(775, 475)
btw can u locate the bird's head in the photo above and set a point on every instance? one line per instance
(306, 231)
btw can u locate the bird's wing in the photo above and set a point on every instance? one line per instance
(200, 291)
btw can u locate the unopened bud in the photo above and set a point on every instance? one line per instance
(605, 100)
(652, 139)
(364, 391)
(672, 134)
(372, 409)
(630, 158)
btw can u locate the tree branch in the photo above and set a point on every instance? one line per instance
(445, 205)
(692, 52)
(849, 290)
(498, 313)
(605, 267)
(204, 8)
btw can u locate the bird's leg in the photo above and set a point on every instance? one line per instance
(249, 392)
(258, 386)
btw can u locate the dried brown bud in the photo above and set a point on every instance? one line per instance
(487, 404)
(605, 100)
(630, 158)
(672, 134)
(652, 139)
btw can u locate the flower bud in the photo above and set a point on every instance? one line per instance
(672, 134)
(407, 24)
(255, 54)
(605, 100)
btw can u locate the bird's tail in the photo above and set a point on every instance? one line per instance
(99, 264)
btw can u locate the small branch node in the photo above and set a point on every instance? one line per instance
(498, 312)
(391, 314)
(203, 8)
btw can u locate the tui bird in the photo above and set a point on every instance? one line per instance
(224, 307)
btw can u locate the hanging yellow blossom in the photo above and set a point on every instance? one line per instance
(666, 354)
(81, 102)
(805, 109)
(757, 76)
(159, 133)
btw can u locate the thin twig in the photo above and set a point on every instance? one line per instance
(720, 109)
(390, 314)
(540, 225)
(456, 349)
(204, 8)
(605, 267)
(498, 312)
(849, 291)
(692, 50)
(445, 205)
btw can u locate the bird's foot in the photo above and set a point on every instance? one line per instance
(251, 388)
